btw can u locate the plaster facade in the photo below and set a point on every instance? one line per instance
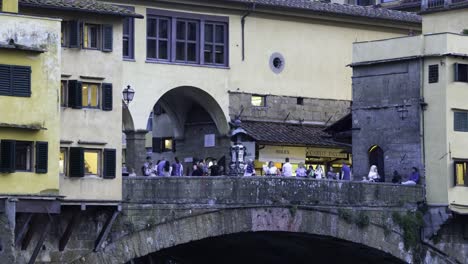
(40, 110)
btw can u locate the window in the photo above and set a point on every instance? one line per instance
(433, 73)
(90, 97)
(167, 144)
(461, 72)
(258, 100)
(163, 144)
(63, 93)
(91, 162)
(300, 101)
(63, 161)
(128, 38)
(187, 38)
(215, 43)
(461, 121)
(76, 34)
(15, 80)
(64, 34)
(23, 156)
(461, 173)
(91, 36)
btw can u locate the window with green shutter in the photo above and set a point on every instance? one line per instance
(74, 40)
(42, 157)
(76, 159)
(7, 156)
(110, 163)
(107, 36)
(75, 95)
(107, 96)
(15, 80)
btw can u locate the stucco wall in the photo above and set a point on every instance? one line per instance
(448, 21)
(316, 54)
(42, 108)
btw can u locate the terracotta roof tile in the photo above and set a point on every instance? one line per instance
(90, 6)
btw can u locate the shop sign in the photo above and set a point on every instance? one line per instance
(249, 150)
(279, 153)
(326, 153)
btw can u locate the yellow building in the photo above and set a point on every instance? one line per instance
(29, 102)
(90, 102)
(441, 54)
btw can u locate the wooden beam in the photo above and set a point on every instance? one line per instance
(30, 232)
(40, 242)
(69, 230)
(21, 230)
(38, 206)
(105, 230)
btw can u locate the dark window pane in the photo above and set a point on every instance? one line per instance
(192, 31)
(180, 30)
(219, 34)
(126, 25)
(163, 28)
(180, 51)
(192, 52)
(151, 28)
(151, 48)
(208, 54)
(208, 33)
(163, 54)
(219, 55)
(125, 47)
(93, 37)
(23, 156)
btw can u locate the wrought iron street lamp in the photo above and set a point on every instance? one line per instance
(128, 94)
(237, 165)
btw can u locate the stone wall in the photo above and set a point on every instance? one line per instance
(278, 107)
(379, 93)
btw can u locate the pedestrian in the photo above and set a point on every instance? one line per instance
(160, 167)
(373, 175)
(270, 169)
(287, 168)
(214, 169)
(249, 169)
(414, 177)
(311, 172)
(345, 172)
(301, 170)
(198, 170)
(396, 177)
(331, 175)
(147, 167)
(177, 168)
(167, 169)
(319, 172)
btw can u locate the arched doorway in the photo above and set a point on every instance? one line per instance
(376, 157)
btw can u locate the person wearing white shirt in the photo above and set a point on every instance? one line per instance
(287, 169)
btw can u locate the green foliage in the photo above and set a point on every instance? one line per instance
(362, 220)
(293, 210)
(411, 224)
(345, 215)
(465, 31)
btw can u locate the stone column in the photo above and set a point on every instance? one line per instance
(7, 232)
(136, 152)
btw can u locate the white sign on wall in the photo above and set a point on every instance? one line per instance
(210, 140)
(279, 153)
(249, 150)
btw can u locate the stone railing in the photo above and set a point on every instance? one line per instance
(232, 191)
(433, 4)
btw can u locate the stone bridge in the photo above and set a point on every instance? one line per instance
(251, 219)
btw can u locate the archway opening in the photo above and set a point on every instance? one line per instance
(376, 157)
(268, 248)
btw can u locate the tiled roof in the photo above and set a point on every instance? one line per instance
(90, 6)
(338, 9)
(288, 134)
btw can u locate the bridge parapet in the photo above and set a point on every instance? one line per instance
(235, 191)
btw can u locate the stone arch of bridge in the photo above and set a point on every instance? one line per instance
(234, 221)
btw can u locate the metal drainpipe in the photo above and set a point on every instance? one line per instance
(243, 31)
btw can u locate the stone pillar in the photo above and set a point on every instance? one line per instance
(7, 232)
(136, 152)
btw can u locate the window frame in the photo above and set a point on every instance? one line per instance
(465, 174)
(130, 36)
(64, 33)
(64, 93)
(156, 38)
(200, 21)
(98, 96)
(214, 43)
(163, 144)
(99, 162)
(433, 73)
(98, 36)
(264, 104)
(65, 161)
(455, 111)
(31, 156)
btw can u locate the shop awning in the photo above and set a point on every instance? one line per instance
(276, 133)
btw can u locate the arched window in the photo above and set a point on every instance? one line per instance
(376, 157)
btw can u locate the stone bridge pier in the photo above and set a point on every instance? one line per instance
(252, 220)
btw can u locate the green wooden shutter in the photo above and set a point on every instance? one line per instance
(75, 94)
(157, 145)
(74, 34)
(5, 80)
(107, 36)
(7, 156)
(21, 81)
(109, 163)
(76, 163)
(42, 157)
(107, 96)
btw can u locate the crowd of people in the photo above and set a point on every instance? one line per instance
(203, 168)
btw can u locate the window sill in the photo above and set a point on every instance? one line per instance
(129, 59)
(188, 64)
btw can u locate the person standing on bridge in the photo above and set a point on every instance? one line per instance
(177, 168)
(287, 168)
(270, 169)
(160, 167)
(301, 170)
(414, 177)
(345, 172)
